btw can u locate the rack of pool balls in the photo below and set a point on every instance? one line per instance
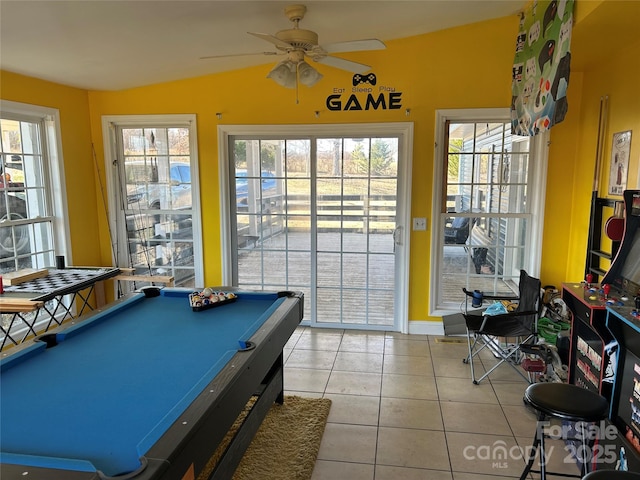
(209, 298)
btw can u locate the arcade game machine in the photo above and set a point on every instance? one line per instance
(592, 344)
(591, 340)
(604, 315)
(623, 321)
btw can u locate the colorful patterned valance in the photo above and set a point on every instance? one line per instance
(541, 67)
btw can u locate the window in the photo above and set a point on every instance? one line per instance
(488, 210)
(154, 197)
(31, 215)
(487, 174)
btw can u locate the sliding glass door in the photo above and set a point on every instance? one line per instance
(355, 219)
(320, 214)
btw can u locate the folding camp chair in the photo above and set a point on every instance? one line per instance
(484, 330)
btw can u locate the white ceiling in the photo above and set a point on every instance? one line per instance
(113, 45)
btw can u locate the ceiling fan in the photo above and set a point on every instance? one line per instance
(299, 44)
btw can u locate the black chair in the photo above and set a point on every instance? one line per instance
(456, 230)
(565, 402)
(484, 330)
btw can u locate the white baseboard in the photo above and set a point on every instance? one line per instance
(426, 328)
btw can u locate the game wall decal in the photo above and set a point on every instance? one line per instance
(541, 67)
(366, 94)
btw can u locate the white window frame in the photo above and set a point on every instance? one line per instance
(52, 154)
(537, 175)
(109, 123)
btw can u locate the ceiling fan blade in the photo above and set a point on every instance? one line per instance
(271, 39)
(343, 64)
(354, 46)
(241, 55)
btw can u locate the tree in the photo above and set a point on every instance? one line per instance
(268, 156)
(453, 159)
(240, 153)
(382, 161)
(359, 161)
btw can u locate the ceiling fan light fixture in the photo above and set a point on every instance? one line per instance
(298, 44)
(284, 74)
(308, 75)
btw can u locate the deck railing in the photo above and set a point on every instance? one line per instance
(335, 213)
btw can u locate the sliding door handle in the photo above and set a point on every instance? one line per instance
(397, 236)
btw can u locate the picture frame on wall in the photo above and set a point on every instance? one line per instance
(620, 151)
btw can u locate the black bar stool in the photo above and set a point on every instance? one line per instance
(565, 402)
(611, 475)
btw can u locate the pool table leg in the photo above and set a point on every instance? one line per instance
(279, 364)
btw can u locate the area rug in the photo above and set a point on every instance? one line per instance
(286, 444)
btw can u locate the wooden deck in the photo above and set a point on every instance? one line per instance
(459, 271)
(355, 279)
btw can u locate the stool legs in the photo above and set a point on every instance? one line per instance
(538, 444)
(538, 441)
(579, 410)
(586, 447)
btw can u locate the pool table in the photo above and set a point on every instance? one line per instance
(144, 388)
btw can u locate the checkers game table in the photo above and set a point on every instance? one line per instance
(145, 388)
(53, 295)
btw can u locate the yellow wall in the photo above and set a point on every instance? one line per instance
(466, 67)
(606, 48)
(623, 114)
(73, 105)
(426, 69)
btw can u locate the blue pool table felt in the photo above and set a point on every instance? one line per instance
(102, 397)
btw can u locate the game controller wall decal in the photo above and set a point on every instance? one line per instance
(358, 79)
(541, 67)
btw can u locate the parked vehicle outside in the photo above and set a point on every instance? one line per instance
(14, 241)
(147, 190)
(268, 186)
(160, 236)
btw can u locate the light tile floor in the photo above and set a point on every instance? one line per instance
(404, 407)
